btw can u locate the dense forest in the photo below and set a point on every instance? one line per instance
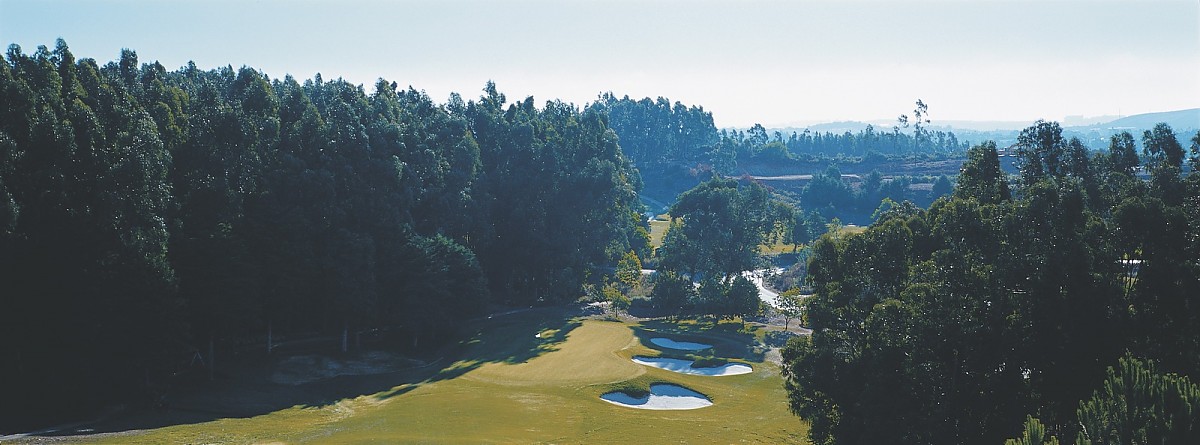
(154, 222)
(1064, 303)
(676, 147)
(151, 217)
(658, 132)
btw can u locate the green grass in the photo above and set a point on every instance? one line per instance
(515, 387)
(658, 229)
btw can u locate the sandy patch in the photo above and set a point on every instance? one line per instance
(661, 397)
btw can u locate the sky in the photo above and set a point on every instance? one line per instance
(771, 62)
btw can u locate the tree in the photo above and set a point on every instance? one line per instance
(788, 303)
(1122, 153)
(1195, 149)
(1164, 159)
(941, 187)
(1034, 434)
(1161, 148)
(722, 224)
(629, 270)
(981, 177)
(672, 292)
(1043, 153)
(1138, 404)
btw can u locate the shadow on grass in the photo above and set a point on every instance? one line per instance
(728, 339)
(245, 388)
(511, 342)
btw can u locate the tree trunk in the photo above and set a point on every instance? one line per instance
(345, 336)
(212, 359)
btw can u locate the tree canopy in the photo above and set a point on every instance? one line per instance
(148, 215)
(952, 324)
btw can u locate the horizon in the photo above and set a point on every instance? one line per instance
(774, 63)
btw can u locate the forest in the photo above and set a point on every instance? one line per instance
(676, 147)
(657, 132)
(1065, 296)
(157, 222)
(149, 217)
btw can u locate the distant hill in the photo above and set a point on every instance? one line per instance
(1179, 121)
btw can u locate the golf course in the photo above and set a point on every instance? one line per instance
(537, 376)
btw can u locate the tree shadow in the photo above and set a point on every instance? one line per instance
(245, 389)
(728, 339)
(516, 341)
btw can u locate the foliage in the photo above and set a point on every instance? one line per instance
(721, 224)
(672, 292)
(655, 131)
(949, 325)
(148, 215)
(629, 270)
(616, 298)
(1138, 404)
(1034, 434)
(789, 304)
(981, 177)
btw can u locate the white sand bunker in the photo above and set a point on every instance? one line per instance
(685, 366)
(662, 397)
(680, 345)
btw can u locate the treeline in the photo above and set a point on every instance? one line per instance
(150, 216)
(755, 144)
(1002, 301)
(657, 132)
(830, 194)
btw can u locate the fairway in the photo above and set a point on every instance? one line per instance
(535, 379)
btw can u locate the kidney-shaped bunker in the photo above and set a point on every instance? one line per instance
(663, 396)
(686, 366)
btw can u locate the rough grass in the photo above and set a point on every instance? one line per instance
(514, 386)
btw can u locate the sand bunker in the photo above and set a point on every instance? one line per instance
(685, 366)
(680, 345)
(662, 397)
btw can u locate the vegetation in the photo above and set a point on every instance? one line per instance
(950, 325)
(154, 222)
(716, 237)
(1135, 405)
(514, 388)
(676, 147)
(150, 217)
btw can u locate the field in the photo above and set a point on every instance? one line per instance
(658, 229)
(535, 377)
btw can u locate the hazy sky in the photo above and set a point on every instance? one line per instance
(773, 62)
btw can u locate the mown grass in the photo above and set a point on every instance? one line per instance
(658, 229)
(515, 386)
